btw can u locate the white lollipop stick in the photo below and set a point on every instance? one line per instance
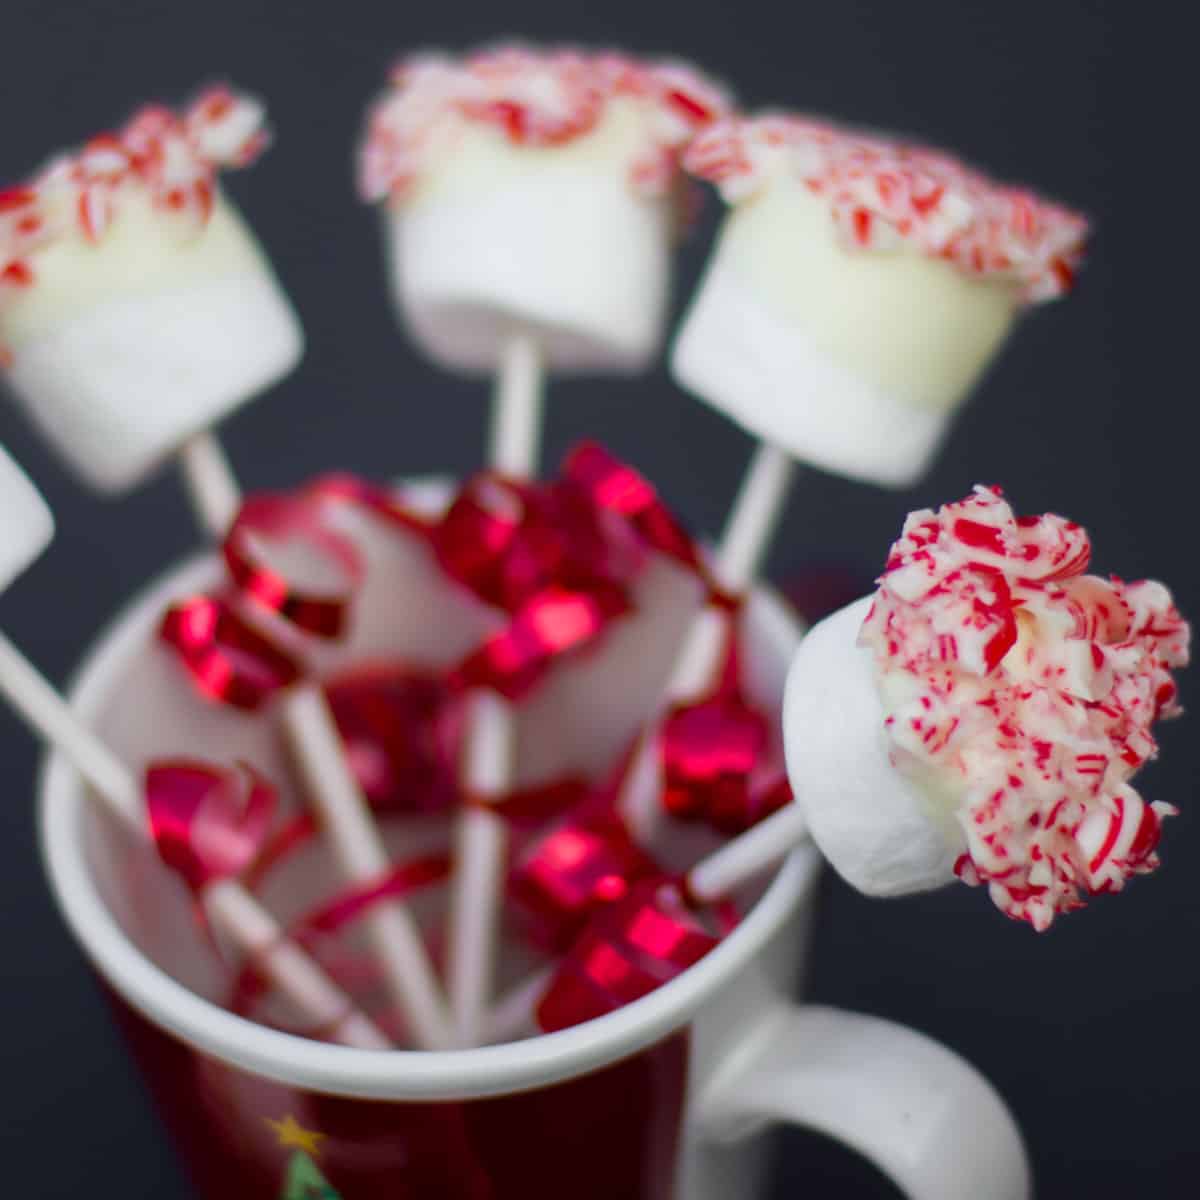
(748, 855)
(516, 433)
(27, 528)
(752, 522)
(210, 482)
(332, 788)
(489, 747)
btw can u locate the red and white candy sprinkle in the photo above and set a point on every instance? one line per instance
(884, 195)
(1030, 689)
(174, 158)
(537, 98)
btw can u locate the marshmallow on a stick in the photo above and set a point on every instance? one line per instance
(136, 307)
(983, 714)
(858, 289)
(533, 191)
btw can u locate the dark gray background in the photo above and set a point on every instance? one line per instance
(1087, 1031)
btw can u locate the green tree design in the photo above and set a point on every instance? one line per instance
(304, 1180)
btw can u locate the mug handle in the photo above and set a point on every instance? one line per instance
(919, 1112)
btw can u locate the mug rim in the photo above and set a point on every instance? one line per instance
(340, 1070)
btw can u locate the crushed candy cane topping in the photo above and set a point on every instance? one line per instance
(1027, 691)
(536, 97)
(175, 158)
(885, 195)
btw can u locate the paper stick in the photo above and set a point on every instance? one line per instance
(481, 838)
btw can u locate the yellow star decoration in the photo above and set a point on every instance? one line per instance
(289, 1132)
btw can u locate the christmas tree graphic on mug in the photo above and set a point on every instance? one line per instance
(303, 1179)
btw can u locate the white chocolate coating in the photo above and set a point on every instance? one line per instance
(555, 240)
(26, 526)
(124, 348)
(883, 834)
(854, 360)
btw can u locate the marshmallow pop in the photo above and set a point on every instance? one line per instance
(26, 529)
(530, 200)
(857, 291)
(136, 310)
(136, 307)
(532, 191)
(983, 714)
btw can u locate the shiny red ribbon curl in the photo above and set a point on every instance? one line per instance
(559, 558)
(629, 949)
(401, 727)
(227, 659)
(208, 823)
(552, 623)
(614, 487)
(568, 875)
(269, 517)
(508, 540)
(712, 750)
(709, 749)
(712, 754)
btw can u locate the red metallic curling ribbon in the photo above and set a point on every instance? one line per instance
(507, 540)
(293, 522)
(227, 659)
(401, 728)
(615, 487)
(709, 750)
(630, 949)
(571, 873)
(208, 823)
(559, 558)
(554, 622)
(713, 750)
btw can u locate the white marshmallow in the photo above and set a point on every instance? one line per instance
(26, 526)
(124, 349)
(498, 237)
(883, 834)
(853, 360)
